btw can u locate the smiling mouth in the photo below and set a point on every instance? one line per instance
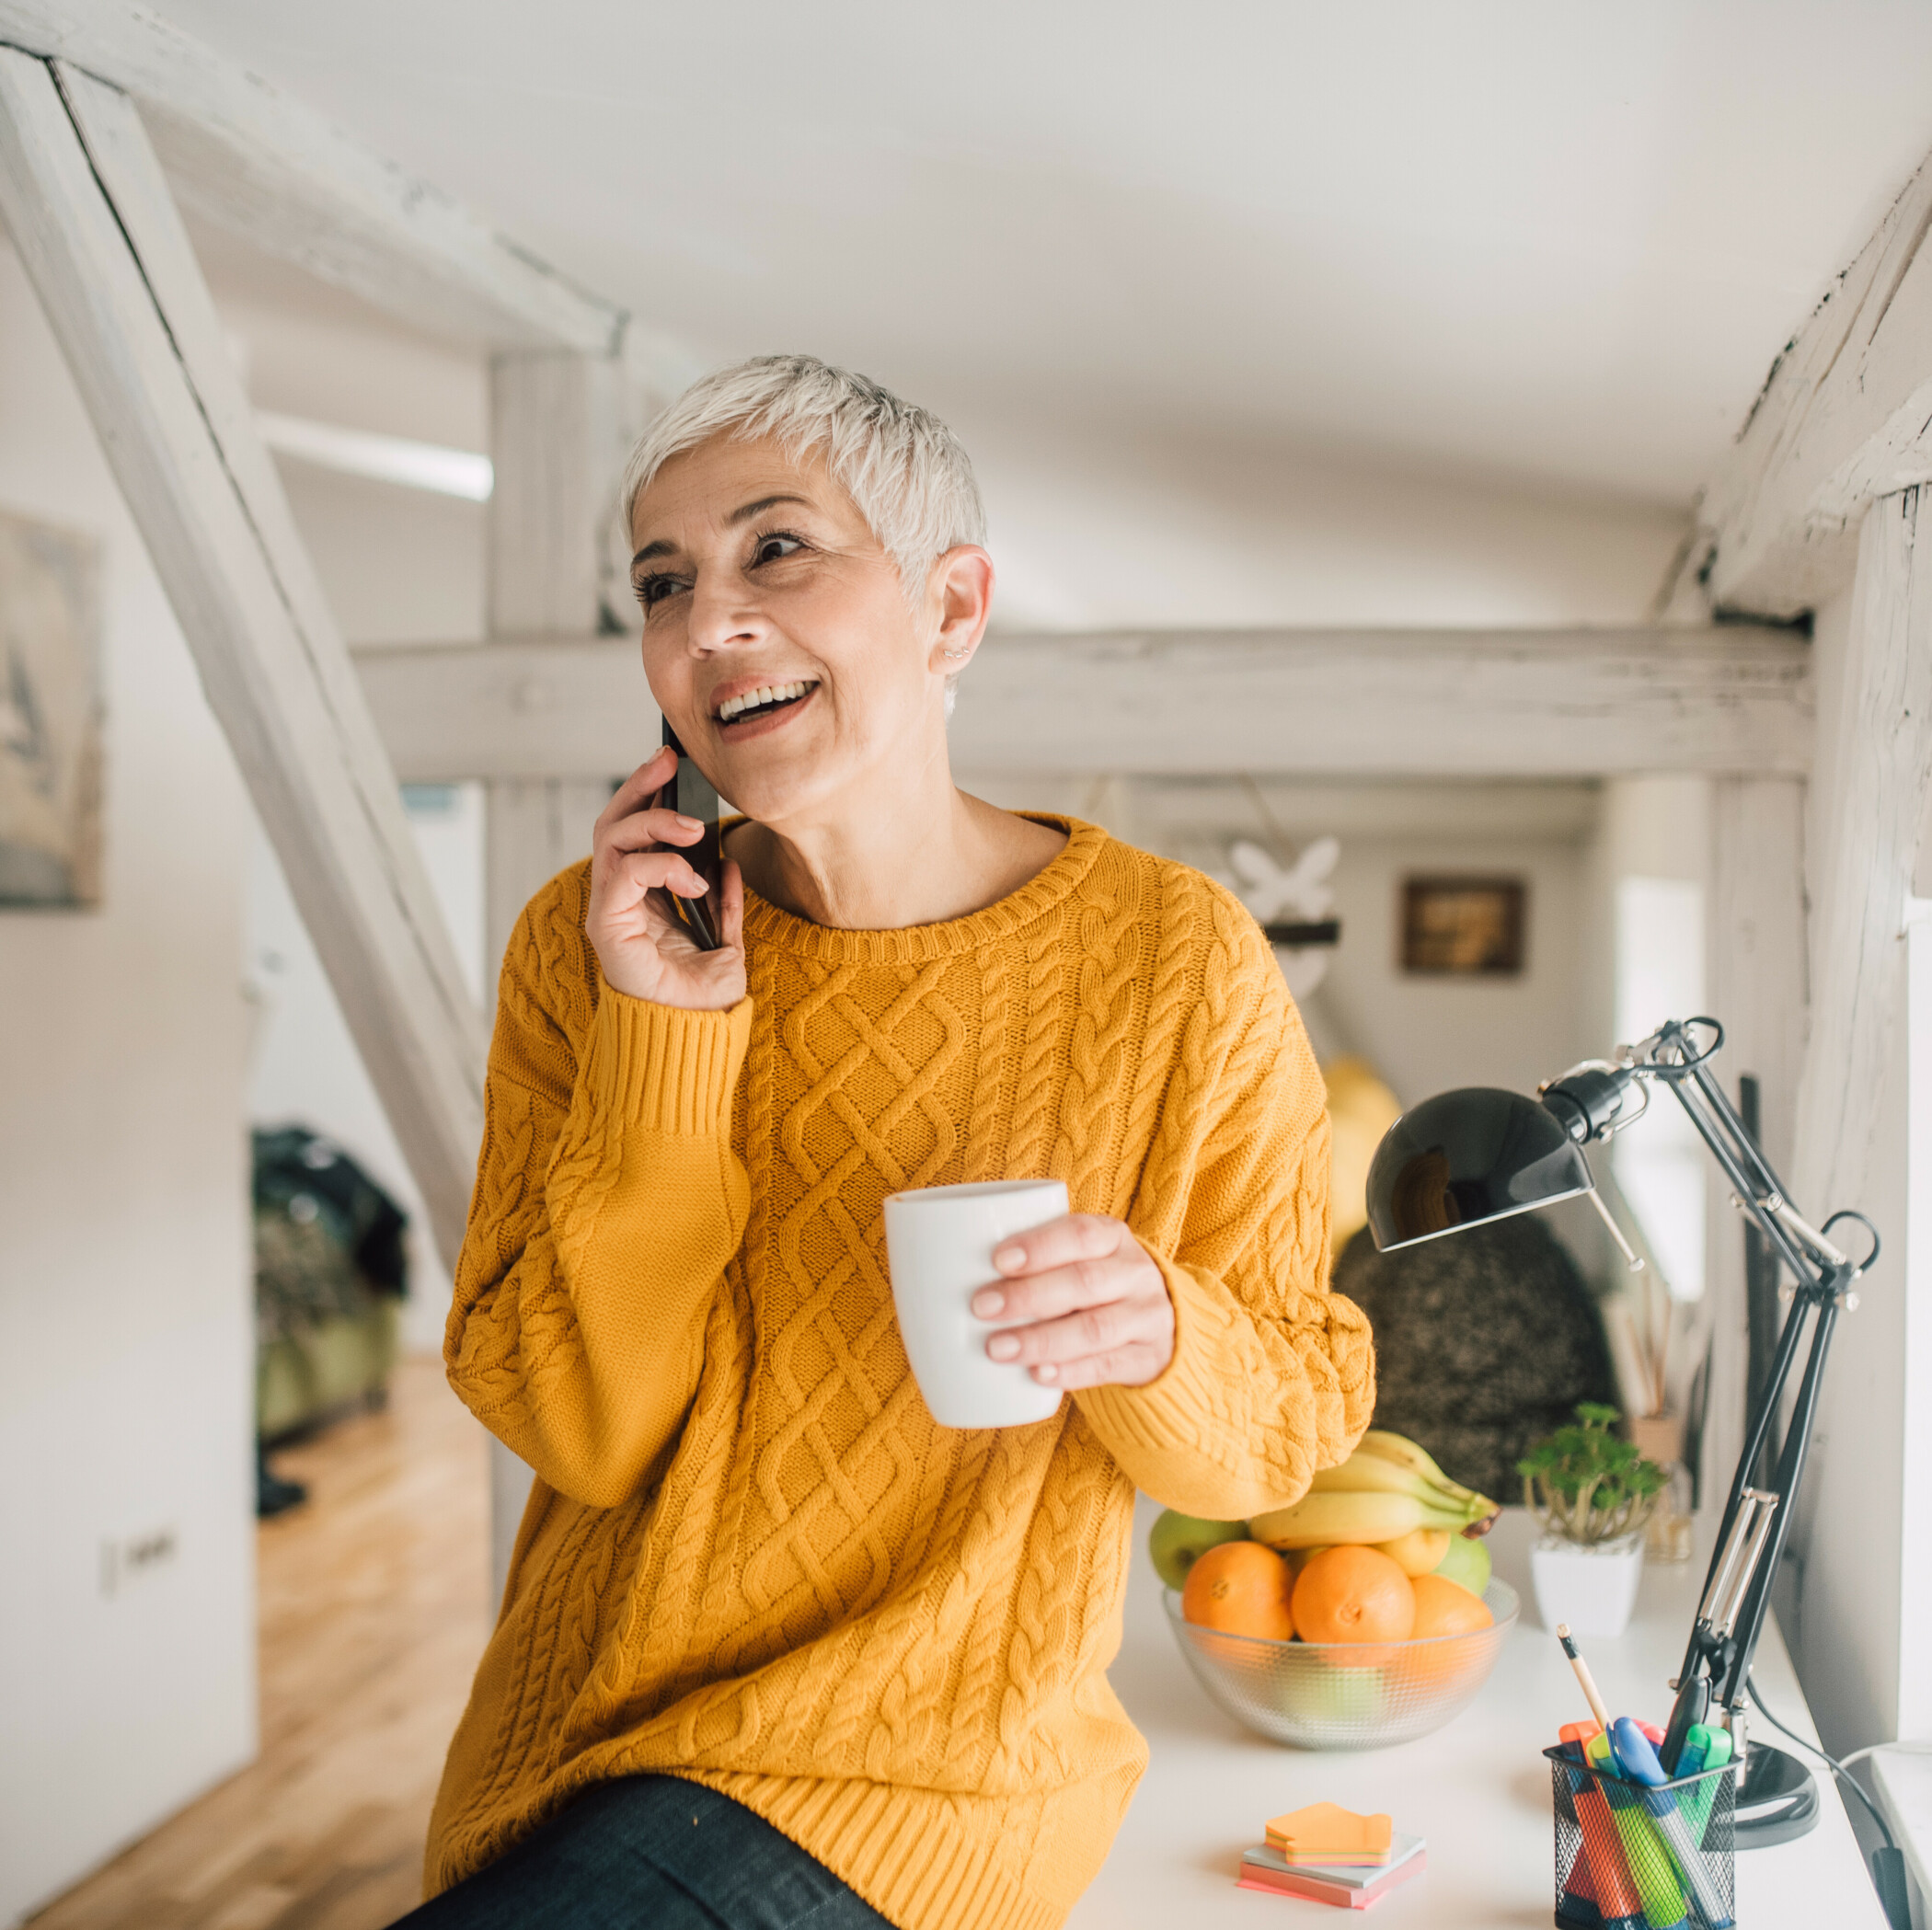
(762, 702)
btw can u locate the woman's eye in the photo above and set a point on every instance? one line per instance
(654, 589)
(772, 549)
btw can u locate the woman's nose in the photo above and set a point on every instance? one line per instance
(721, 616)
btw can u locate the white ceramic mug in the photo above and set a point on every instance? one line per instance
(939, 1242)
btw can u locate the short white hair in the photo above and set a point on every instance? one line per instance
(909, 475)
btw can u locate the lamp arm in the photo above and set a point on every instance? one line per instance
(1754, 1182)
(1791, 1473)
(1824, 1277)
(1738, 1155)
(1705, 1649)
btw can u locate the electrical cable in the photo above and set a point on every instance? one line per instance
(1888, 1864)
(1830, 1763)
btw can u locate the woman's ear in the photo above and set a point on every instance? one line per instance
(961, 586)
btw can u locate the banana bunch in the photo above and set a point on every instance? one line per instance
(1388, 1488)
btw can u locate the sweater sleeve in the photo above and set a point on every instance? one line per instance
(608, 1202)
(1273, 1376)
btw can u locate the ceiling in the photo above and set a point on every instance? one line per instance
(1550, 242)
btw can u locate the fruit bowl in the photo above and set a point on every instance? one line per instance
(1344, 1695)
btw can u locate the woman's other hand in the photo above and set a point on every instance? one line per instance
(644, 951)
(1082, 1304)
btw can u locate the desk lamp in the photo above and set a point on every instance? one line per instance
(1479, 1153)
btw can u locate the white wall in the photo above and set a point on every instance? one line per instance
(1642, 963)
(1841, 1595)
(128, 1403)
(1914, 1696)
(1649, 827)
(1428, 1034)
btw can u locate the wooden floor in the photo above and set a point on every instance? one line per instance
(373, 1616)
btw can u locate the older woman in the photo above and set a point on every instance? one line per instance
(776, 1647)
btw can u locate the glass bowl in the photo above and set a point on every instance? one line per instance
(1344, 1695)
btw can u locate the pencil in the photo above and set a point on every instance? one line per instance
(1583, 1676)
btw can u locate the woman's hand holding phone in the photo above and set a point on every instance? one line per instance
(643, 949)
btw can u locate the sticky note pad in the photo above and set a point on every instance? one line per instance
(1326, 1832)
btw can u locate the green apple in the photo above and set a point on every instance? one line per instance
(1468, 1562)
(1178, 1541)
(1344, 1696)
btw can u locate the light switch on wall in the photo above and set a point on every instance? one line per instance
(130, 1559)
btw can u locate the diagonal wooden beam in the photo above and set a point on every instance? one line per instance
(246, 158)
(89, 210)
(1844, 418)
(1312, 703)
(1877, 783)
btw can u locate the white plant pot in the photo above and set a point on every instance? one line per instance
(1592, 1590)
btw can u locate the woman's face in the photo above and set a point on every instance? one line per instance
(777, 639)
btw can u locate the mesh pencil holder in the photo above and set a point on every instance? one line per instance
(1630, 1857)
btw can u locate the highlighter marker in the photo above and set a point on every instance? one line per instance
(1640, 1760)
(1650, 1867)
(1713, 1745)
(1617, 1904)
(1616, 1894)
(1576, 1909)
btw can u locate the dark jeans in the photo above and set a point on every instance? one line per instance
(650, 1853)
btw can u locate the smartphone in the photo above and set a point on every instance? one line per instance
(690, 792)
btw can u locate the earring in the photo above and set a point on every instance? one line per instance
(955, 655)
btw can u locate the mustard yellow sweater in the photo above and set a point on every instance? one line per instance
(751, 1556)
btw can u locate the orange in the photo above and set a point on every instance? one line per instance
(1240, 1588)
(1445, 1607)
(1353, 1595)
(1420, 1551)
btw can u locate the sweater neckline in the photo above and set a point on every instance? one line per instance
(1052, 884)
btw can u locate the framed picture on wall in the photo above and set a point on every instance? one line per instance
(50, 717)
(1463, 927)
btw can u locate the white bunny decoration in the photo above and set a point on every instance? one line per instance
(1300, 894)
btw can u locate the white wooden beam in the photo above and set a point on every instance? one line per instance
(1349, 703)
(1852, 1578)
(1867, 824)
(1844, 418)
(560, 424)
(90, 214)
(561, 427)
(246, 158)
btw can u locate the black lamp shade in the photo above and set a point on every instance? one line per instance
(1466, 1156)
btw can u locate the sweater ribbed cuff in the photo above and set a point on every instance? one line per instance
(1171, 1415)
(662, 1066)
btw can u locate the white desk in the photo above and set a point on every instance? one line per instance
(1478, 1790)
(1904, 1784)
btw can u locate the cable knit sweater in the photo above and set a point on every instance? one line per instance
(751, 1556)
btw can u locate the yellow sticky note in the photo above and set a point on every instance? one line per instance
(1328, 1827)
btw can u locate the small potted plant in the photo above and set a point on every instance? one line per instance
(1593, 1494)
